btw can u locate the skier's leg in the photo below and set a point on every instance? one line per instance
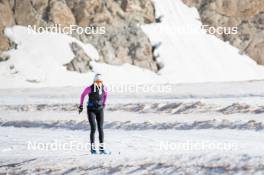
(91, 118)
(100, 123)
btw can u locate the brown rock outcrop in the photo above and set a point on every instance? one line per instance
(124, 41)
(246, 15)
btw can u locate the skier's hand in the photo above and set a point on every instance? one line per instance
(80, 109)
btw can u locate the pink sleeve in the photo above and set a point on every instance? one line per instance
(105, 95)
(84, 93)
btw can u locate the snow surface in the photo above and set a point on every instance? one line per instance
(136, 132)
(135, 123)
(191, 55)
(39, 58)
(198, 57)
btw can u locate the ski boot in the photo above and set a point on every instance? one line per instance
(93, 149)
(102, 149)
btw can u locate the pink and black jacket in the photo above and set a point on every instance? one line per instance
(97, 97)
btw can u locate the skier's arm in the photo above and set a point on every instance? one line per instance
(84, 93)
(105, 96)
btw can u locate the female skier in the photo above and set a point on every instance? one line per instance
(95, 109)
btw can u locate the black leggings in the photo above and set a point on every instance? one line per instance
(96, 116)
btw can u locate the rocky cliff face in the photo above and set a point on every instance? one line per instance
(247, 15)
(123, 41)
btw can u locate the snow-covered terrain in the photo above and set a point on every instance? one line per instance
(187, 57)
(39, 58)
(136, 152)
(172, 128)
(191, 55)
(203, 131)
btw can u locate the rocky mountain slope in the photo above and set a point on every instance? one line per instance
(123, 41)
(247, 15)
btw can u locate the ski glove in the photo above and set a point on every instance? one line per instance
(80, 109)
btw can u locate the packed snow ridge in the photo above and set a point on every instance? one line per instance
(180, 107)
(141, 126)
